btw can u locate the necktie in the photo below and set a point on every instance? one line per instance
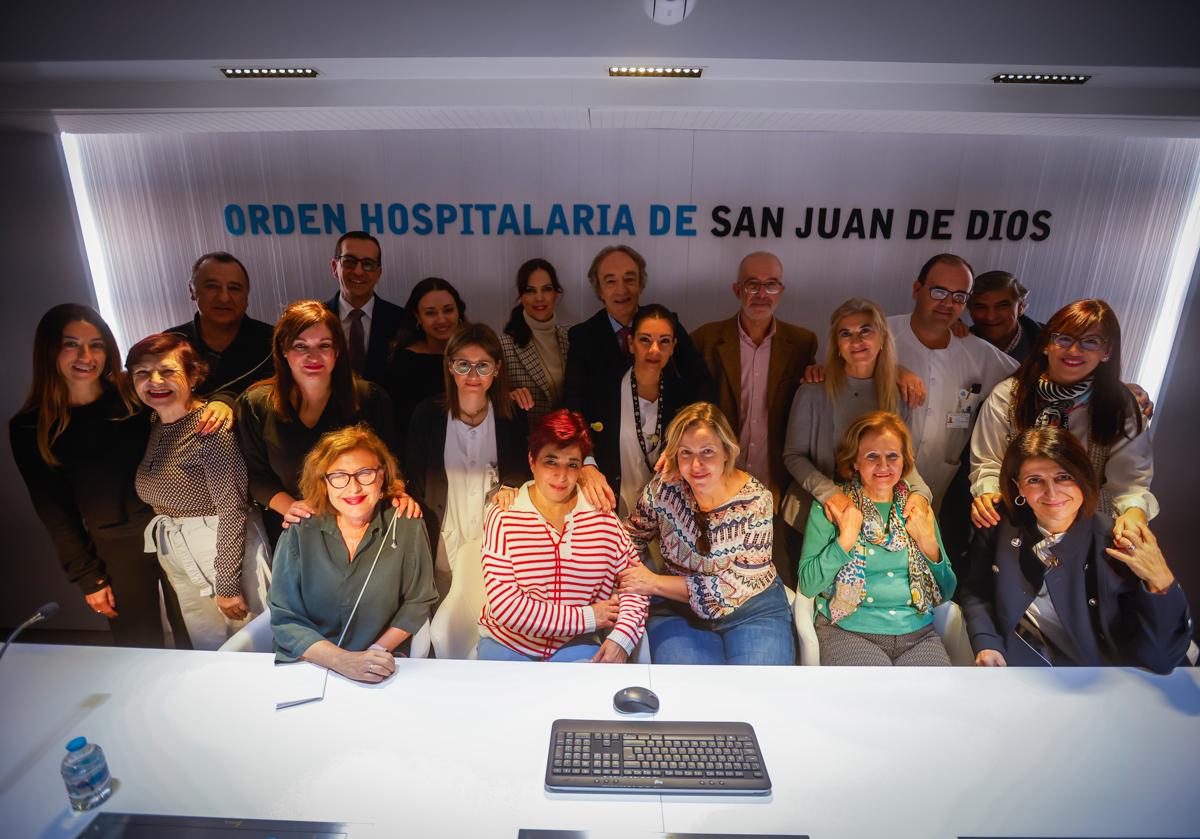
(623, 342)
(358, 341)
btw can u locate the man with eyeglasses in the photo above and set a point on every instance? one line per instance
(959, 372)
(370, 322)
(236, 348)
(757, 362)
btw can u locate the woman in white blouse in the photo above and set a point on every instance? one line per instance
(535, 346)
(1073, 380)
(462, 447)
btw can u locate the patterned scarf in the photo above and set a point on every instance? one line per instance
(1058, 401)
(849, 587)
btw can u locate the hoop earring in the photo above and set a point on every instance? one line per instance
(1019, 500)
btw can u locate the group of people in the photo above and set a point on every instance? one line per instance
(624, 477)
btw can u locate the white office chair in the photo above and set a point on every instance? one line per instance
(256, 637)
(948, 623)
(455, 627)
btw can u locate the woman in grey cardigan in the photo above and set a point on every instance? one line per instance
(860, 376)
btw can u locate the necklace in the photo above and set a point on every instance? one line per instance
(475, 418)
(648, 447)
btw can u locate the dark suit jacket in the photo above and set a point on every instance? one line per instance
(424, 465)
(595, 365)
(677, 392)
(1109, 614)
(386, 320)
(793, 348)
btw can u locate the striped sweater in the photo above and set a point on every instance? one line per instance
(540, 584)
(738, 565)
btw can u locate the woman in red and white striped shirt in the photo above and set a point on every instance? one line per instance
(550, 563)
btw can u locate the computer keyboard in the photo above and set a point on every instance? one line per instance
(681, 757)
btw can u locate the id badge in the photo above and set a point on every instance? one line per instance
(958, 419)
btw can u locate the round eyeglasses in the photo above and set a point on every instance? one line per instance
(462, 367)
(364, 477)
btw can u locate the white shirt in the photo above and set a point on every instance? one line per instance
(471, 477)
(1127, 472)
(957, 380)
(635, 474)
(344, 310)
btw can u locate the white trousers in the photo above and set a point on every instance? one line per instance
(187, 552)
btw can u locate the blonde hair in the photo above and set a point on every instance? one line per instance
(708, 415)
(875, 421)
(885, 363)
(333, 445)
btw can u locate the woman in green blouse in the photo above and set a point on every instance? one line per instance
(352, 550)
(876, 573)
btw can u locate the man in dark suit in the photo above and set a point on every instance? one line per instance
(758, 361)
(236, 348)
(370, 322)
(599, 349)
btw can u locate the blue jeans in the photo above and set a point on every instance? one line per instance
(757, 632)
(580, 648)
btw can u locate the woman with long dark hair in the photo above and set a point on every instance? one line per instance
(1072, 381)
(77, 442)
(417, 368)
(314, 391)
(535, 346)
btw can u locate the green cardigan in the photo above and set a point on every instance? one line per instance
(314, 585)
(887, 609)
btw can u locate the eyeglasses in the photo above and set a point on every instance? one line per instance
(1088, 343)
(462, 367)
(938, 293)
(364, 477)
(352, 262)
(703, 538)
(771, 287)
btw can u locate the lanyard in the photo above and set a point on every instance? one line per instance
(650, 446)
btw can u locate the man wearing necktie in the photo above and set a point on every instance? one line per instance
(370, 322)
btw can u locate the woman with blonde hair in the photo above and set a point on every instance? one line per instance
(354, 549)
(720, 600)
(876, 570)
(860, 376)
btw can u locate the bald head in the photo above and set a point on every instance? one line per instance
(759, 286)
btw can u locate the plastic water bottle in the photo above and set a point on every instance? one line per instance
(85, 772)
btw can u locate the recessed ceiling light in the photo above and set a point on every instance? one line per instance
(269, 72)
(662, 70)
(1039, 78)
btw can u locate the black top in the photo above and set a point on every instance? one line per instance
(595, 365)
(1027, 343)
(387, 319)
(412, 378)
(1109, 614)
(425, 458)
(89, 504)
(274, 448)
(677, 392)
(245, 361)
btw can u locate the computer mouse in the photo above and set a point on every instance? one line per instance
(635, 700)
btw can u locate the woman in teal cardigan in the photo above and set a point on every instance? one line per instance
(876, 575)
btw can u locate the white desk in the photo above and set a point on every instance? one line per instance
(996, 752)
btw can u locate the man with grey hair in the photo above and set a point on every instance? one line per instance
(997, 307)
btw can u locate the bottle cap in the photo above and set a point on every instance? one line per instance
(76, 744)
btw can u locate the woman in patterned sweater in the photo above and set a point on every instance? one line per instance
(550, 563)
(720, 601)
(212, 553)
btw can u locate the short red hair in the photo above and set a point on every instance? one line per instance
(560, 429)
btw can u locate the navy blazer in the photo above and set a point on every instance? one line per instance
(595, 365)
(424, 465)
(1109, 614)
(387, 319)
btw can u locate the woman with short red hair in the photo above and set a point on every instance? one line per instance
(550, 563)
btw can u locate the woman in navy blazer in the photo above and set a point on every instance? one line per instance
(452, 471)
(1048, 586)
